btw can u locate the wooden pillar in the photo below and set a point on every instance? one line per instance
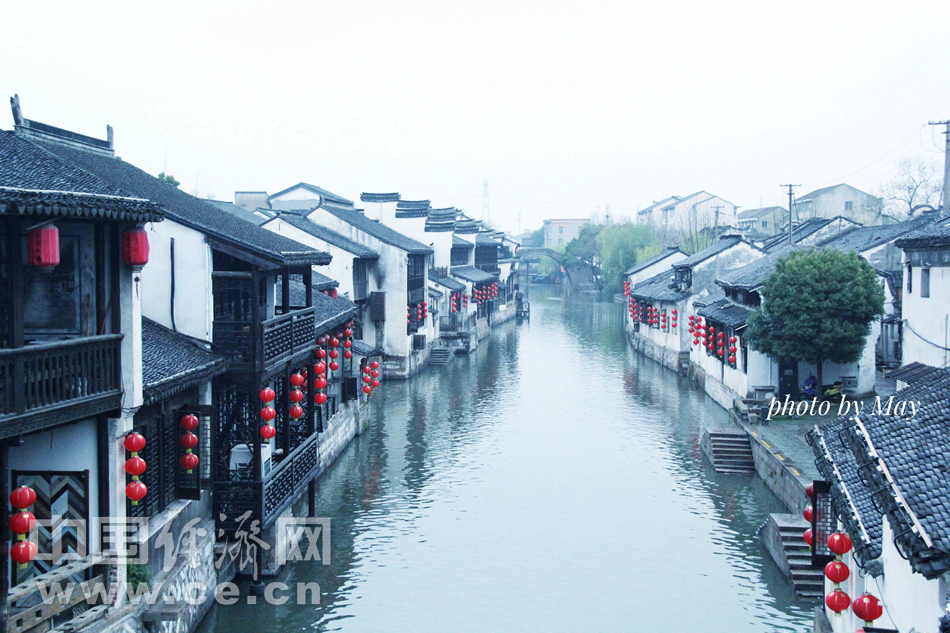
(4, 536)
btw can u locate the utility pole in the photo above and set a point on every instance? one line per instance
(716, 225)
(791, 194)
(486, 213)
(945, 194)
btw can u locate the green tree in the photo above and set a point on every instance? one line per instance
(584, 248)
(817, 306)
(622, 246)
(169, 179)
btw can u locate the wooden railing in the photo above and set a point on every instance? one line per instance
(60, 579)
(38, 378)
(275, 340)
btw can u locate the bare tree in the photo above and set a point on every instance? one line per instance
(916, 183)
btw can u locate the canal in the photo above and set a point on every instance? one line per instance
(551, 481)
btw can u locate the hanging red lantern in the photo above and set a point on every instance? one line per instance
(839, 543)
(733, 340)
(267, 394)
(22, 522)
(334, 342)
(695, 341)
(334, 354)
(135, 466)
(188, 440)
(322, 339)
(808, 513)
(320, 383)
(268, 413)
(837, 572)
(333, 365)
(838, 601)
(189, 461)
(320, 368)
(135, 491)
(867, 608)
(808, 537)
(347, 344)
(347, 354)
(296, 379)
(320, 353)
(43, 247)
(721, 352)
(296, 412)
(22, 497)
(367, 389)
(268, 432)
(375, 384)
(374, 365)
(366, 370)
(810, 491)
(320, 398)
(367, 379)
(134, 442)
(733, 349)
(347, 332)
(296, 395)
(135, 248)
(374, 374)
(189, 422)
(23, 552)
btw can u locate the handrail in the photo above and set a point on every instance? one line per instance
(54, 345)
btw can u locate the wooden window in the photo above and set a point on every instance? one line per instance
(925, 283)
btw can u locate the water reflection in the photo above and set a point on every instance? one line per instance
(550, 481)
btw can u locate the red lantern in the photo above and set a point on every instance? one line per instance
(320, 368)
(320, 383)
(375, 384)
(695, 341)
(134, 442)
(296, 379)
(135, 466)
(374, 365)
(22, 497)
(322, 340)
(721, 352)
(366, 370)
(296, 412)
(732, 349)
(334, 342)
(296, 395)
(320, 398)
(837, 572)
(733, 340)
(22, 522)
(135, 248)
(374, 374)
(268, 431)
(347, 354)
(732, 359)
(867, 608)
(839, 543)
(334, 366)
(367, 389)
(808, 513)
(347, 332)
(189, 422)
(838, 601)
(810, 491)
(189, 440)
(367, 379)
(189, 461)
(320, 353)
(268, 413)
(334, 354)
(267, 394)
(808, 537)
(43, 247)
(23, 552)
(135, 491)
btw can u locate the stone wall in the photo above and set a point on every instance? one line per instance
(666, 357)
(404, 367)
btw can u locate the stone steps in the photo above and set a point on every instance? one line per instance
(440, 356)
(728, 451)
(784, 539)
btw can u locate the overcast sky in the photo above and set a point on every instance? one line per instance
(563, 107)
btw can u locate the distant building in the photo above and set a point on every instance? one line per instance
(843, 200)
(678, 215)
(759, 223)
(559, 233)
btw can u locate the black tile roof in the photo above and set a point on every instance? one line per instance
(34, 181)
(193, 212)
(380, 231)
(851, 497)
(467, 226)
(912, 372)
(725, 312)
(457, 241)
(867, 237)
(933, 234)
(905, 463)
(412, 208)
(754, 274)
(363, 348)
(449, 283)
(326, 196)
(331, 237)
(379, 197)
(810, 227)
(173, 362)
(657, 288)
(441, 220)
(751, 214)
(238, 211)
(298, 290)
(472, 274)
(332, 312)
(486, 238)
(656, 258)
(722, 244)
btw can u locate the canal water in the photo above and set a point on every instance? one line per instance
(551, 481)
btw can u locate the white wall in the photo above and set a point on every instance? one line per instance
(341, 264)
(442, 244)
(655, 269)
(928, 318)
(193, 299)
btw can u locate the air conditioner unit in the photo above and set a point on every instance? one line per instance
(242, 455)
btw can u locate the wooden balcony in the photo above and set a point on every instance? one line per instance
(262, 346)
(53, 383)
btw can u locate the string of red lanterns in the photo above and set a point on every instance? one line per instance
(268, 413)
(21, 523)
(188, 441)
(135, 466)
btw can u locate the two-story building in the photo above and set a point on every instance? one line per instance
(559, 232)
(841, 199)
(758, 224)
